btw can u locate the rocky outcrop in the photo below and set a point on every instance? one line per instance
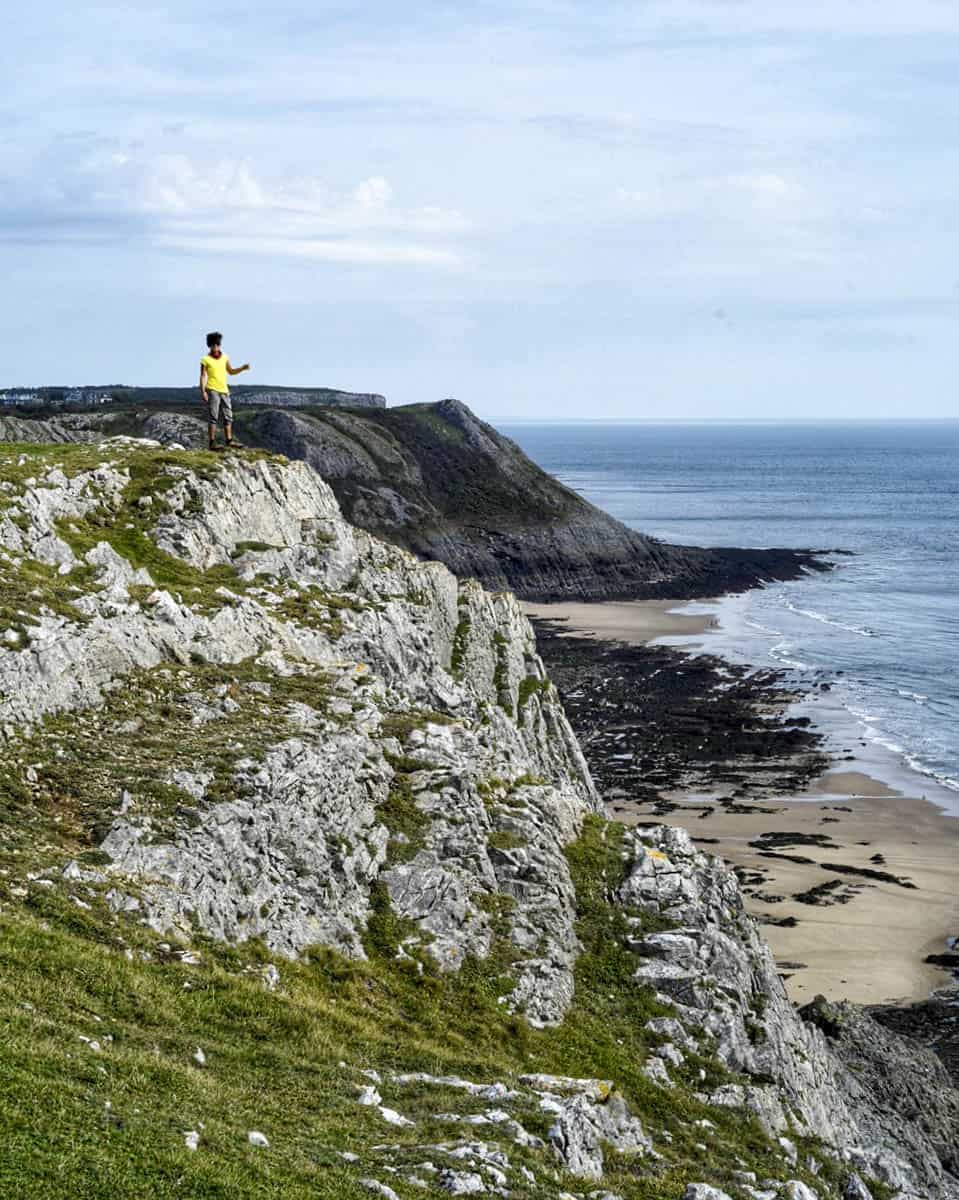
(437, 480)
(54, 430)
(887, 1106)
(912, 1080)
(419, 686)
(299, 398)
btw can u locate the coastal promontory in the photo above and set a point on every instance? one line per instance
(436, 480)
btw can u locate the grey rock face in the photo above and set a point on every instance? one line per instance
(461, 1183)
(440, 482)
(721, 975)
(795, 1189)
(723, 979)
(855, 1189)
(379, 1189)
(292, 861)
(170, 428)
(295, 851)
(53, 431)
(584, 1125)
(910, 1079)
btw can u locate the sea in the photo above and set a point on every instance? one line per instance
(881, 629)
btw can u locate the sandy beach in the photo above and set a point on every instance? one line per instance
(854, 882)
(631, 621)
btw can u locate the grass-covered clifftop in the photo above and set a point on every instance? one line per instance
(101, 1081)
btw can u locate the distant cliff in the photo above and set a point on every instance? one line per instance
(436, 480)
(442, 483)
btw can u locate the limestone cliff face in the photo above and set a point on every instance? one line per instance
(722, 978)
(419, 682)
(279, 727)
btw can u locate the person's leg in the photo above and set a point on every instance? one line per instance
(213, 404)
(228, 421)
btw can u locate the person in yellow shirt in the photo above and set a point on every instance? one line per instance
(214, 368)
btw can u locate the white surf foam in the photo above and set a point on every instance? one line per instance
(812, 615)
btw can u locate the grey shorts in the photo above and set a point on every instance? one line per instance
(219, 404)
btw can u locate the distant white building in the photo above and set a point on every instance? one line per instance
(86, 396)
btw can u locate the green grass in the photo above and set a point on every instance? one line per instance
(29, 589)
(461, 636)
(501, 686)
(31, 460)
(401, 725)
(531, 686)
(198, 588)
(401, 815)
(505, 839)
(83, 761)
(110, 1124)
(315, 608)
(252, 548)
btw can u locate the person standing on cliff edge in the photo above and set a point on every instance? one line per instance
(214, 369)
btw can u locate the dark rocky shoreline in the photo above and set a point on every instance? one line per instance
(934, 1023)
(654, 721)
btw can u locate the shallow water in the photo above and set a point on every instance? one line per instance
(882, 629)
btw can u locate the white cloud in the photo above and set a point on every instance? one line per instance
(374, 194)
(735, 198)
(218, 205)
(328, 250)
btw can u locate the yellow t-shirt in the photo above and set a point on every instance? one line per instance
(216, 373)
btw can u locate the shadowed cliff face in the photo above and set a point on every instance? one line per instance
(440, 482)
(436, 480)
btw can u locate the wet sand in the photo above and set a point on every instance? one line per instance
(842, 933)
(630, 621)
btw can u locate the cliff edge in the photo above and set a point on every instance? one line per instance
(436, 480)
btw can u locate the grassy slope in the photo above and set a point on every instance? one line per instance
(96, 1124)
(456, 479)
(84, 1123)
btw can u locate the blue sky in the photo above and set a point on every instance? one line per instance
(669, 208)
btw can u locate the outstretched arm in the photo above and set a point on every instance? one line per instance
(237, 370)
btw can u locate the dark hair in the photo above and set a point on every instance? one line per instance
(213, 339)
